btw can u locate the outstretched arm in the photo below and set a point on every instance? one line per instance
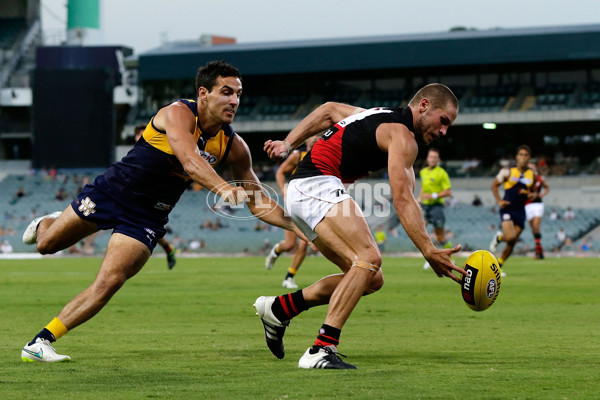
(260, 204)
(402, 150)
(179, 123)
(320, 119)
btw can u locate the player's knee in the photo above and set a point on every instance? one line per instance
(47, 245)
(375, 284)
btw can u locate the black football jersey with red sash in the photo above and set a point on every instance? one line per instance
(150, 178)
(349, 150)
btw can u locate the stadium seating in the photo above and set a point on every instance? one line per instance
(241, 232)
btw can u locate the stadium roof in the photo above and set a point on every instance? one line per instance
(453, 49)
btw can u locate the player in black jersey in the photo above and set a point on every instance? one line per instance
(133, 197)
(355, 142)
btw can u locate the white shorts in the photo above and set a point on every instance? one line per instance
(308, 200)
(533, 210)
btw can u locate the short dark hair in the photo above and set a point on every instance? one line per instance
(138, 128)
(435, 149)
(524, 147)
(207, 74)
(439, 96)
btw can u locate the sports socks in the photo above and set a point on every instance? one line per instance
(501, 262)
(276, 250)
(287, 306)
(167, 248)
(52, 332)
(328, 336)
(538, 243)
(291, 273)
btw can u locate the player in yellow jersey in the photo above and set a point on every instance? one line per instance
(435, 186)
(181, 144)
(288, 166)
(163, 242)
(518, 182)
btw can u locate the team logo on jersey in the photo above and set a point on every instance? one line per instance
(86, 207)
(208, 157)
(263, 196)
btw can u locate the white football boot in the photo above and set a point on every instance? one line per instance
(271, 258)
(274, 329)
(41, 351)
(289, 283)
(426, 266)
(494, 243)
(326, 358)
(30, 234)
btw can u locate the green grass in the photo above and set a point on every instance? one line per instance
(191, 333)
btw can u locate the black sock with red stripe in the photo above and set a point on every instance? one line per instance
(287, 306)
(328, 336)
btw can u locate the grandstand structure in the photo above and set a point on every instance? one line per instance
(539, 86)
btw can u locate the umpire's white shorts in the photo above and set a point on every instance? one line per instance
(308, 200)
(533, 210)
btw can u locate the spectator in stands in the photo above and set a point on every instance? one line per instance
(435, 186)
(534, 209)
(356, 141)
(184, 142)
(563, 239)
(6, 247)
(60, 195)
(569, 214)
(476, 201)
(518, 182)
(20, 193)
(585, 245)
(194, 244)
(554, 214)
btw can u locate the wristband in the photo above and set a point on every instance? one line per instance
(434, 196)
(288, 145)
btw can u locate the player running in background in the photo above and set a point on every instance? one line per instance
(180, 145)
(163, 242)
(518, 182)
(534, 210)
(356, 142)
(435, 185)
(288, 166)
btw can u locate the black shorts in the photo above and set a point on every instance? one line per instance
(516, 216)
(434, 215)
(96, 206)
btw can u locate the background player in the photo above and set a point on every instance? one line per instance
(288, 166)
(517, 182)
(534, 210)
(435, 185)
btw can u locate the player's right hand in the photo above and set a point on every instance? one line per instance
(234, 195)
(276, 149)
(503, 203)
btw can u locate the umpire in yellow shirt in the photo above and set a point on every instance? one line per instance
(435, 185)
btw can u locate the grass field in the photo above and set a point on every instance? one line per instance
(191, 333)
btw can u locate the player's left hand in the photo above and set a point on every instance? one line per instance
(440, 262)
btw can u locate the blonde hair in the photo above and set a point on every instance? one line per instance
(439, 96)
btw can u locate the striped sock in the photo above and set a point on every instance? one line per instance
(328, 336)
(289, 305)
